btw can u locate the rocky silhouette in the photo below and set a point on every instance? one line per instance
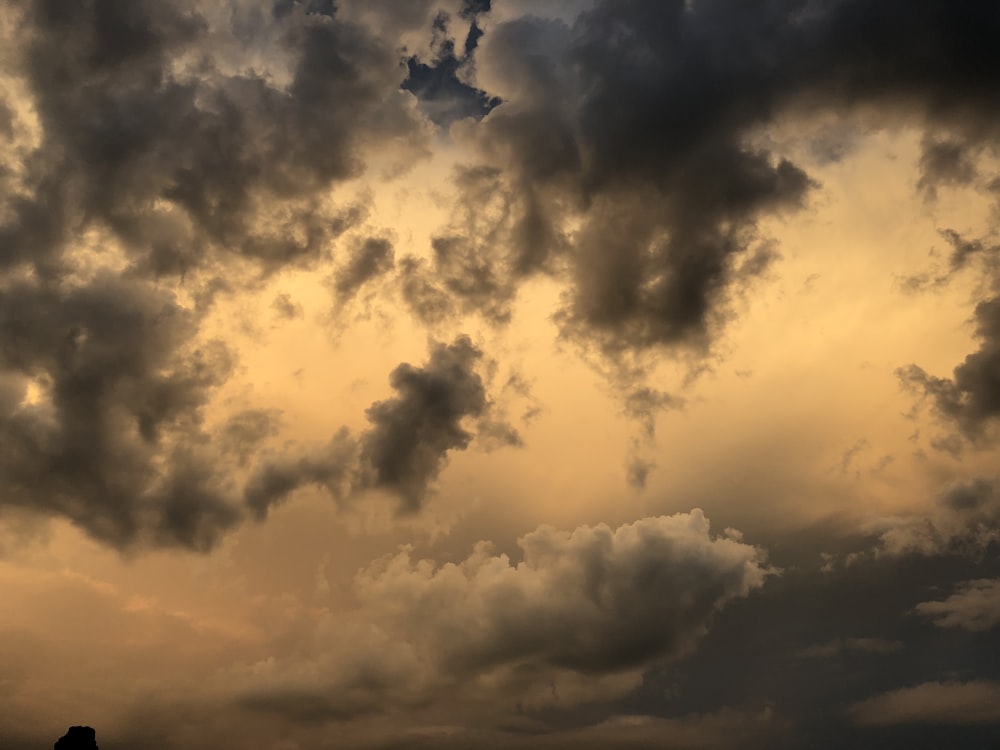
(77, 738)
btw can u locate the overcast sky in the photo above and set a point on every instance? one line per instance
(527, 374)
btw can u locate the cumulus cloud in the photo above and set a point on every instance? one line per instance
(408, 441)
(595, 600)
(183, 163)
(975, 605)
(642, 141)
(196, 148)
(580, 615)
(976, 702)
(107, 430)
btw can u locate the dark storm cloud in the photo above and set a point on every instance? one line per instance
(412, 433)
(155, 137)
(637, 123)
(185, 164)
(970, 399)
(113, 439)
(409, 438)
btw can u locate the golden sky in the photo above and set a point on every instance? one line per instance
(460, 374)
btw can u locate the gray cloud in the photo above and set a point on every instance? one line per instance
(159, 134)
(286, 307)
(576, 619)
(975, 605)
(408, 441)
(975, 702)
(593, 601)
(642, 141)
(183, 164)
(410, 434)
(369, 259)
(112, 438)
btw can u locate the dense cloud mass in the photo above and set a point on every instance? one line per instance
(692, 234)
(644, 138)
(112, 436)
(594, 601)
(580, 615)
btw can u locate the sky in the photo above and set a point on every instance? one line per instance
(471, 374)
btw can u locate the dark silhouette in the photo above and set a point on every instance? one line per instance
(77, 738)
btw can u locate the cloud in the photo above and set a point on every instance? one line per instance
(370, 259)
(187, 164)
(974, 606)
(630, 161)
(594, 601)
(410, 434)
(579, 617)
(407, 443)
(840, 646)
(964, 252)
(976, 702)
(196, 149)
(965, 519)
(285, 307)
(107, 429)
(971, 397)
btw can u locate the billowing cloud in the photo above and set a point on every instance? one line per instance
(106, 425)
(975, 605)
(580, 615)
(643, 142)
(149, 130)
(595, 600)
(976, 702)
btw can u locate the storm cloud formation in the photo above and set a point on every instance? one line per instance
(409, 439)
(142, 131)
(595, 600)
(224, 224)
(579, 616)
(629, 166)
(110, 435)
(644, 141)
